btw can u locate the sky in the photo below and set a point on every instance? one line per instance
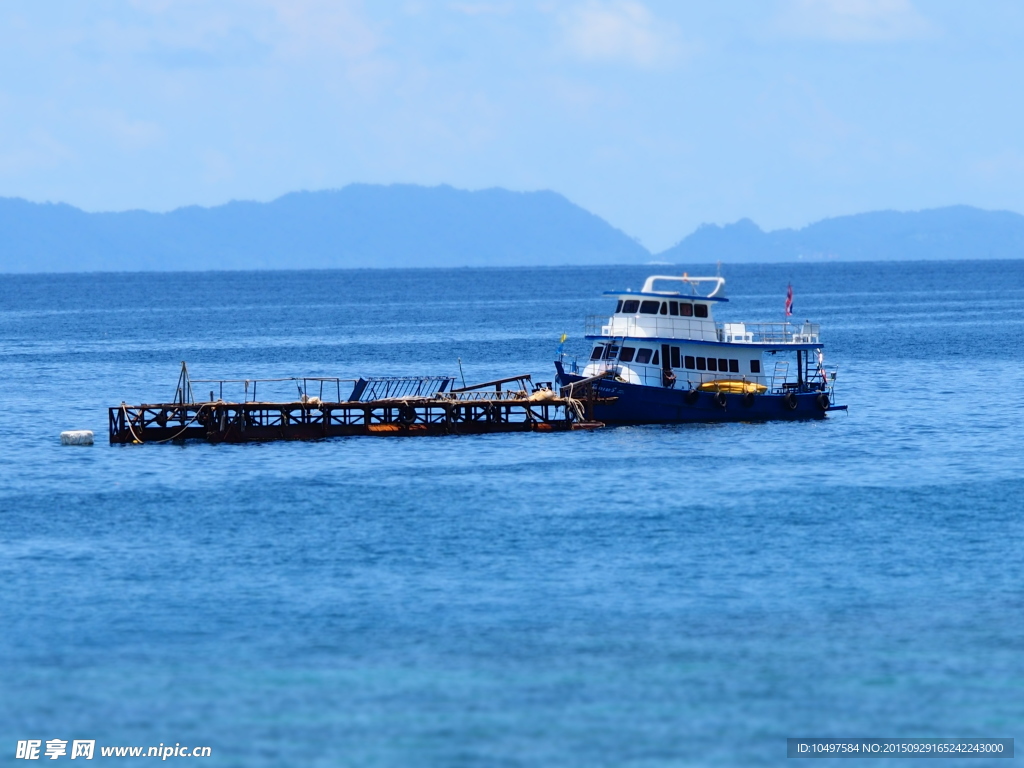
(657, 115)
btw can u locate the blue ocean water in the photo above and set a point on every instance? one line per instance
(648, 596)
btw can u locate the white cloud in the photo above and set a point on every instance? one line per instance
(172, 36)
(151, 6)
(217, 167)
(242, 31)
(853, 20)
(481, 9)
(37, 152)
(623, 31)
(129, 133)
(324, 27)
(1008, 164)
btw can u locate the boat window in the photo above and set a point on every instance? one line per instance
(643, 356)
(702, 364)
(598, 351)
(690, 362)
(685, 309)
(626, 355)
(712, 364)
(673, 308)
(723, 364)
(612, 352)
(650, 307)
(700, 310)
(675, 357)
(755, 366)
(654, 360)
(734, 366)
(618, 307)
(664, 307)
(630, 306)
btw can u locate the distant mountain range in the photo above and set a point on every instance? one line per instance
(359, 226)
(410, 226)
(956, 232)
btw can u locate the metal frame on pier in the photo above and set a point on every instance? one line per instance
(413, 406)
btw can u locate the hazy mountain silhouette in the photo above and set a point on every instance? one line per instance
(957, 232)
(365, 225)
(359, 226)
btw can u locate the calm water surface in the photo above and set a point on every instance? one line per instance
(655, 596)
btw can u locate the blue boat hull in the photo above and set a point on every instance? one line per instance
(637, 404)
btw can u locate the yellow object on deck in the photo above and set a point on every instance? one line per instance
(734, 386)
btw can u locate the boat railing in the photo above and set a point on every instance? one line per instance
(770, 333)
(691, 283)
(653, 376)
(778, 381)
(659, 326)
(652, 326)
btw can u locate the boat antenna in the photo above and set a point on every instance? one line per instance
(461, 373)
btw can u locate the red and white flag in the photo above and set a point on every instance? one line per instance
(789, 300)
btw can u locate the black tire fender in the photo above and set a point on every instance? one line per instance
(789, 401)
(721, 400)
(691, 396)
(823, 401)
(406, 415)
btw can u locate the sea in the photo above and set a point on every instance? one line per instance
(675, 595)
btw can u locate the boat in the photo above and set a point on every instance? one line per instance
(661, 358)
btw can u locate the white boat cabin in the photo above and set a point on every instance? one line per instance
(662, 337)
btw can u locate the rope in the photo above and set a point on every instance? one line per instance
(140, 441)
(128, 421)
(576, 405)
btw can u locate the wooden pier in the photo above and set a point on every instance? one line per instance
(391, 406)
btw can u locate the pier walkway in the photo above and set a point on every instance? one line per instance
(398, 406)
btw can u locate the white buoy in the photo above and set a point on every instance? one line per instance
(76, 437)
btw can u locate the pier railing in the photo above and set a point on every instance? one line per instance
(319, 387)
(385, 387)
(323, 387)
(392, 405)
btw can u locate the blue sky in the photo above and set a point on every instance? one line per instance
(657, 116)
